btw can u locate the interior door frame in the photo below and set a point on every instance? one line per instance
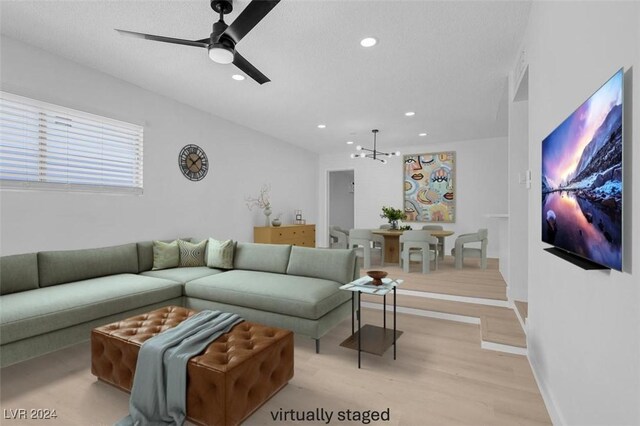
(327, 212)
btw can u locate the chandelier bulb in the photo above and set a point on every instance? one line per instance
(363, 155)
(398, 153)
(353, 156)
(359, 148)
(384, 161)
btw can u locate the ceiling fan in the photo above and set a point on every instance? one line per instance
(221, 44)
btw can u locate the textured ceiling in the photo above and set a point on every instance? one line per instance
(445, 60)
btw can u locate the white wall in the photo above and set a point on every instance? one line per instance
(481, 173)
(584, 326)
(518, 229)
(341, 199)
(241, 160)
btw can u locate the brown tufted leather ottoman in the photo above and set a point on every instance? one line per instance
(234, 376)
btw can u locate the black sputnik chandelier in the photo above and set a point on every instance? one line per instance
(374, 154)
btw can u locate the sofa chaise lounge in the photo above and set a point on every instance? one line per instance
(52, 299)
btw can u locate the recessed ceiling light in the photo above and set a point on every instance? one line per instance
(410, 114)
(368, 42)
(321, 126)
(422, 134)
(237, 77)
(349, 142)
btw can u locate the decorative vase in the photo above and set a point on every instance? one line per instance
(276, 222)
(267, 213)
(394, 224)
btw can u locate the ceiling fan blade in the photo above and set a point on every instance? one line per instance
(199, 43)
(249, 18)
(244, 66)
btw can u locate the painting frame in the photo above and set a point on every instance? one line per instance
(424, 200)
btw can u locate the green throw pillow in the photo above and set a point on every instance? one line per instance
(165, 255)
(220, 254)
(192, 254)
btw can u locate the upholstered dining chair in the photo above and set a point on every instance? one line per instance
(460, 251)
(440, 240)
(418, 246)
(363, 240)
(338, 237)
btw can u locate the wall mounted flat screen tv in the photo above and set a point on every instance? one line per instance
(582, 179)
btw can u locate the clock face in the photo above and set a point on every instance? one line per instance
(193, 162)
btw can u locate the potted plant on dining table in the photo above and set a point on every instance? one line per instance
(393, 216)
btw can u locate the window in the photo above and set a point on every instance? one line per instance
(45, 146)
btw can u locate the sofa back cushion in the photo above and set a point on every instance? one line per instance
(262, 257)
(145, 254)
(18, 273)
(329, 264)
(58, 267)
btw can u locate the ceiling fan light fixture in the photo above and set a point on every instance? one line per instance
(221, 54)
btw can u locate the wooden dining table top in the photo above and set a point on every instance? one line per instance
(398, 232)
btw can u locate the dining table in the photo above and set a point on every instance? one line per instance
(392, 242)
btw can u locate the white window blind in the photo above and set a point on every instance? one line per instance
(45, 146)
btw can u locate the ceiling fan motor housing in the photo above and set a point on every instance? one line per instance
(222, 6)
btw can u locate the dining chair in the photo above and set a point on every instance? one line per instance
(418, 246)
(363, 240)
(338, 237)
(460, 251)
(440, 240)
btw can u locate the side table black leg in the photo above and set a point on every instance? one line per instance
(359, 329)
(384, 312)
(394, 323)
(353, 311)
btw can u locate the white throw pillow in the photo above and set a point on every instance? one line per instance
(220, 254)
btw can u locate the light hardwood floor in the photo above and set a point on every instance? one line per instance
(471, 281)
(499, 324)
(441, 377)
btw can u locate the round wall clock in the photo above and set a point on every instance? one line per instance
(193, 162)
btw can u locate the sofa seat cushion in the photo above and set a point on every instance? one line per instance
(284, 294)
(34, 312)
(183, 275)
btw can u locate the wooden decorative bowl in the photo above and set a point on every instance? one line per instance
(377, 276)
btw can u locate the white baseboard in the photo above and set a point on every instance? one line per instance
(554, 413)
(454, 298)
(423, 313)
(503, 348)
(523, 324)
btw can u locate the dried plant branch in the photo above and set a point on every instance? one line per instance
(262, 201)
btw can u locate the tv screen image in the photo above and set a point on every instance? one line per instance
(582, 179)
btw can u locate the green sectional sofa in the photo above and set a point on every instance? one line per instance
(49, 300)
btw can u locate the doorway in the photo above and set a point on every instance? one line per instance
(341, 199)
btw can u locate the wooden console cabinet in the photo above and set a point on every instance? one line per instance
(297, 235)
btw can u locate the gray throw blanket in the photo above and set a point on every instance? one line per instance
(158, 396)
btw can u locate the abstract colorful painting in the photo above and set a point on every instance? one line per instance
(429, 190)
